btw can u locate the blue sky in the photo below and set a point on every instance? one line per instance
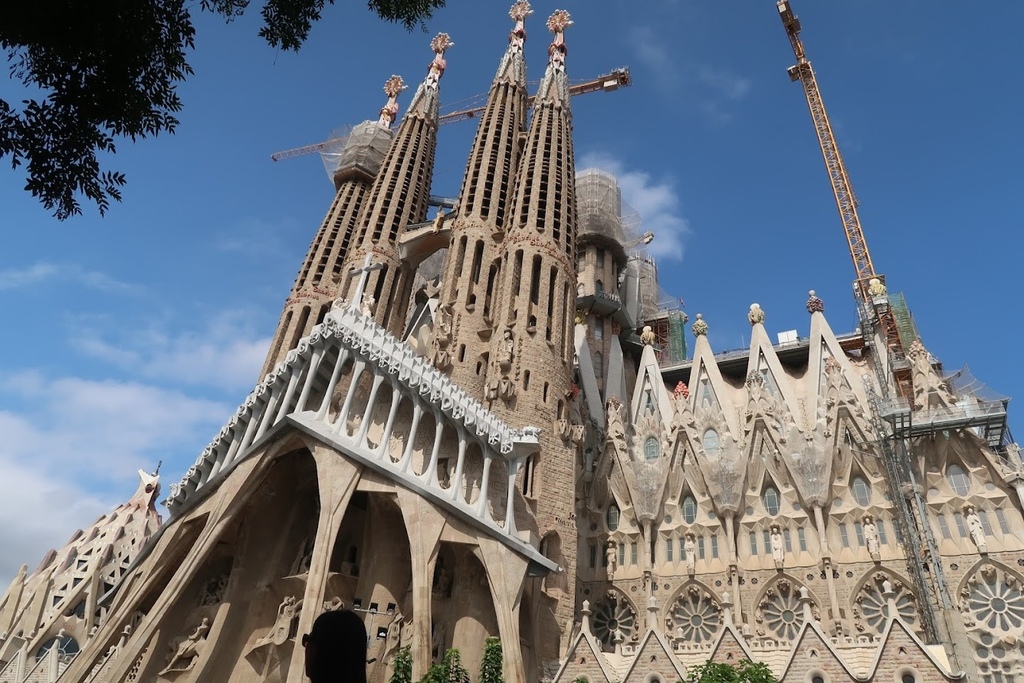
(130, 339)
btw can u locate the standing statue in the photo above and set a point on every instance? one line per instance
(976, 529)
(778, 550)
(368, 306)
(394, 638)
(876, 288)
(690, 547)
(508, 345)
(610, 558)
(871, 539)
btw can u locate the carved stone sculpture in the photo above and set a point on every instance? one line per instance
(185, 652)
(975, 527)
(610, 556)
(778, 550)
(691, 554)
(875, 288)
(756, 315)
(871, 539)
(287, 612)
(647, 336)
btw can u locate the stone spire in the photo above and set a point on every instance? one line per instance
(398, 199)
(468, 297)
(322, 272)
(529, 379)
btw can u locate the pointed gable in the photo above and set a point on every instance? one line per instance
(730, 648)
(813, 653)
(654, 656)
(903, 652)
(763, 363)
(823, 346)
(650, 397)
(585, 660)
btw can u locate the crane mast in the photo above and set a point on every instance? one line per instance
(842, 190)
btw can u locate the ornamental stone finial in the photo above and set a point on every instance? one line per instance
(441, 43)
(814, 304)
(519, 12)
(700, 327)
(876, 288)
(756, 315)
(389, 112)
(557, 23)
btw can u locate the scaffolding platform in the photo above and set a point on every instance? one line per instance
(986, 418)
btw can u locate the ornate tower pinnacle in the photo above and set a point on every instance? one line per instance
(424, 102)
(469, 296)
(398, 198)
(321, 273)
(389, 112)
(557, 23)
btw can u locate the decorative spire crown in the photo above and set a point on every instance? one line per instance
(756, 314)
(520, 10)
(814, 304)
(557, 23)
(389, 112)
(700, 327)
(440, 43)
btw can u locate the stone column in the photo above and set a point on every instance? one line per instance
(337, 478)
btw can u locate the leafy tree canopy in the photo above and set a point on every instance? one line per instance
(744, 672)
(97, 71)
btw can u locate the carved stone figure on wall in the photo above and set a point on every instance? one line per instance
(871, 539)
(437, 640)
(334, 604)
(691, 554)
(442, 580)
(368, 306)
(611, 558)
(778, 550)
(975, 527)
(287, 612)
(394, 639)
(508, 344)
(185, 652)
(647, 336)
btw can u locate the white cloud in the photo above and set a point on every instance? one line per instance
(71, 447)
(656, 200)
(49, 273)
(225, 355)
(724, 82)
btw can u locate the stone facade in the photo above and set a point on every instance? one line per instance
(519, 450)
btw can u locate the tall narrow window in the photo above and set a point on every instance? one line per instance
(960, 527)
(858, 529)
(689, 509)
(882, 536)
(600, 258)
(787, 540)
(1001, 518)
(801, 536)
(844, 536)
(652, 449)
(959, 480)
(983, 516)
(593, 555)
(714, 547)
(766, 541)
(771, 501)
(682, 548)
(753, 543)
(668, 549)
(943, 527)
(632, 553)
(612, 518)
(622, 554)
(861, 491)
(700, 547)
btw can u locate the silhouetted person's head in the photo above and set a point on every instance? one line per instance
(336, 649)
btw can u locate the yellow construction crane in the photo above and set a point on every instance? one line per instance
(609, 82)
(842, 189)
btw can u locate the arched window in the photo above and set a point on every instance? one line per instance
(612, 518)
(909, 678)
(771, 501)
(959, 480)
(861, 491)
(651, 449)
(67, 646)
(689, 509)
(711, 442)
(599, 288)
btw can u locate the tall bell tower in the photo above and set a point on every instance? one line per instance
(399, 198)
(529, 380)
(469, 296)
(322, 272)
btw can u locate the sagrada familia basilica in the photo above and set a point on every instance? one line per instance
(521, 445)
